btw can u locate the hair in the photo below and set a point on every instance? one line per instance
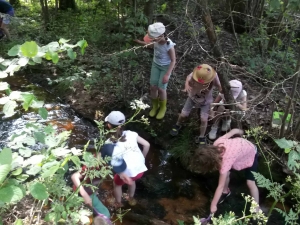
(116, 133)
(209, 158)
(166, 38)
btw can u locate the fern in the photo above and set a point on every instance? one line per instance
(275, 189)
(291, 217)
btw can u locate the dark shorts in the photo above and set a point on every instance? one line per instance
(248, 171)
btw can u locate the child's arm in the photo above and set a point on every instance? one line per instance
(232, 133)
(150, 45)
(243, 106)
(76, 181)
(187, 87)
(145, 144)
(125, 178)
(172, 55)
(218, 192)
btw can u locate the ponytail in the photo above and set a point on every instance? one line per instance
(116, 134)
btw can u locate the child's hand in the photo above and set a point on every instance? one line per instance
(87, 200)
(213, 208)
(137, 41)
(187, 88)
(165, 79)
(125, 178)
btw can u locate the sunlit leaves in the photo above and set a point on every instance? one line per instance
(28, 99)
(9, 108)
(3, 74)
(38, 191)
(4, 86)
(29, 49)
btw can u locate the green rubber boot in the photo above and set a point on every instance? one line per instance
(155, 106)
(162, 110)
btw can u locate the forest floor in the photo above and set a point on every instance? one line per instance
(263, 95)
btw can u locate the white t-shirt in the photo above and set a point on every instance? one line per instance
(132, 154)
(161, 56)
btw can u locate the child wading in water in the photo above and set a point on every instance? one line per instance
(163, 63)
(127, 141)
(101, 213)
(199, 85)
(239, 96)
(226, 154)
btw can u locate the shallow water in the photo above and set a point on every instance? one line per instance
(166, 191)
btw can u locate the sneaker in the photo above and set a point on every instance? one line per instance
(175, 130)
(213, 132)
(226, 125)
(200, 140)
(223, 197)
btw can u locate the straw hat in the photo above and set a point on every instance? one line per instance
(204, 74)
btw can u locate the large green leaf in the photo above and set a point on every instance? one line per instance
(11, 193)
(29, 49)
(283, 143)
(34, 170)
(39, 136)
(4, 171)
(43, 113)
(14, 51)
(38, 191)
(54, 57)
(50, 172)
(17, 172)
(82, 44)
(6, 156)
(25, 152)
(71, 54)
(9, 108)
(28, 98)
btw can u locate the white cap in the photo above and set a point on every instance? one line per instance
(236, 88)
(115, 118)
(155, 30)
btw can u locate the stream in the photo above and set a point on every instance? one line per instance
(166, 192)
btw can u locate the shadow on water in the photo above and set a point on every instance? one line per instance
(167, 191)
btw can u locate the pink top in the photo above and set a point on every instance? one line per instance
(239, 153)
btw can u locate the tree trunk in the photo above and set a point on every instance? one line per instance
(210, 30)
(245, 14)
(276, 27)
(67, 4)
(45, 13)
(148, 10)
(291, 99)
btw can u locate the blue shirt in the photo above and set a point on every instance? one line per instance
(5, 6)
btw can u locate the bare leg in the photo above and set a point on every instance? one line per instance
(203, 126)
(162, 94)
(131, 189)
(180, 119)
(253, 190)
(118, 193)
(154, 92)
